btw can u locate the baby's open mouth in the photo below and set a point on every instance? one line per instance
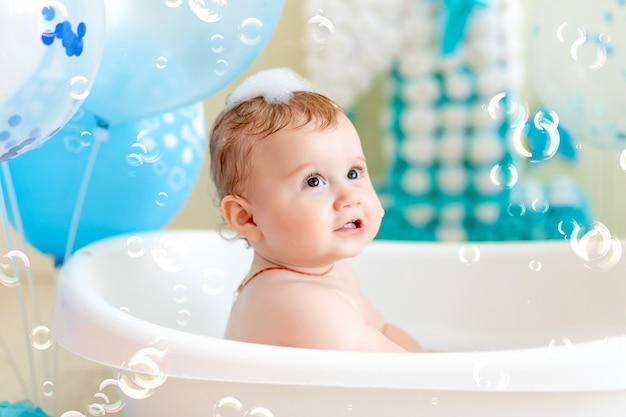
(353, 224)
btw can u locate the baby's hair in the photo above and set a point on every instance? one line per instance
(239, 128)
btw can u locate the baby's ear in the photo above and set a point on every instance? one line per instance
(237, 212)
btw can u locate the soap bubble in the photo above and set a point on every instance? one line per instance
(504, 176)
(169, 253)
(48, 388)
(40, 337)
(143, 373)
(321, 28)
(597, 248)
(135, 246)
(490, 376)
(577, 65)
(560, 347)
(227, 407)
(213, 281)
(469, 254)
(251, 31)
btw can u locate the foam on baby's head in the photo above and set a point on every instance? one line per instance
(275, 85)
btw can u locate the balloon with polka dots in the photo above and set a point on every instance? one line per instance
(577, 66)
(50, 54)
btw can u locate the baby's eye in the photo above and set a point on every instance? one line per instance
(354, 174)
(314, 181)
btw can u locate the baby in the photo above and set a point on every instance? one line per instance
(293, 181)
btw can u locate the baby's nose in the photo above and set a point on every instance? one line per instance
(347, 197)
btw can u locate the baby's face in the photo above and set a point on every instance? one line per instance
(311, 196)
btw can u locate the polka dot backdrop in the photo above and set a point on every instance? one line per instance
(456, 131)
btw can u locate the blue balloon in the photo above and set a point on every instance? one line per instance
(48, 61)
(91, 181)
(166, 54)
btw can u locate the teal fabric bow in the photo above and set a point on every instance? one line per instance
(454, 17)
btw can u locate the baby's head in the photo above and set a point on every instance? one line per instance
(240, 127)
(291, 175)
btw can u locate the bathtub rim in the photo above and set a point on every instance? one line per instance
(586, 366)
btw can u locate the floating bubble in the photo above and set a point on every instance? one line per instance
(221, 67)
(597, 248)
(589, 51)
(40, 337)
(434, 401)
(250, 31)
(560, 347)
(504, 176)
(204, 13)
(108, 406)
(213, 280)
(48, 388)
(161, 62)
(565, 228)
(96, 410)
(540, 206)
(123, 312)
(548, 125)
(79, 87)
(260, 412)
(489, 376)
(135, 246)
(183, 317)
(227, 407)
(172, 4)
(535, 265)
(322, 28)
(7, 277)
(622, 160)
(161, 199)
(72, 414)
(217, 43)
(169, 253)
(142, 374)
(469, 254)
(180, 293)
(516, 209)
(516, 111)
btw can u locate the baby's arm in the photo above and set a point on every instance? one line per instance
(401, 338)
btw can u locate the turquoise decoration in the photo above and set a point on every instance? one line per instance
(48, 63)
(23, 408)
(91, 180)
(163, 55)
(454, 17)
(459, 142)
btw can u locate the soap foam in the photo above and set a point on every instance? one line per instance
(275, 85)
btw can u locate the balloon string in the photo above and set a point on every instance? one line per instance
(19, 228)
(82, 192)
(20, 293)
(14, 367)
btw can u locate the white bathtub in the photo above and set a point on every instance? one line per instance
(527, 330)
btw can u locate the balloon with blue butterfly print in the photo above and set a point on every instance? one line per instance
(164, 54)
(92, 181)
(49, 57)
